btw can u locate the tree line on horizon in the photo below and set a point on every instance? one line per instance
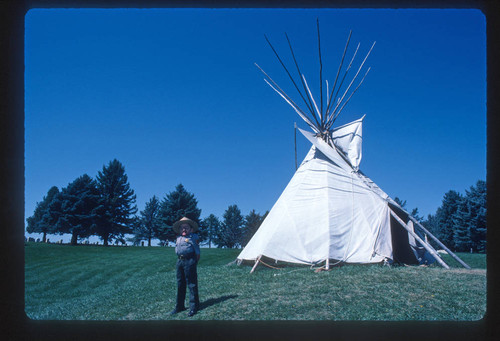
(105, 207)
(460, 221)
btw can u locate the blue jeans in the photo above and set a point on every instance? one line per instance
(187, 275)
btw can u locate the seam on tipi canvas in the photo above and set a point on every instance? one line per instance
(300, 187)
(299, 244)
(374, 252)
(344, 258)
(290, 193)
(277, 204)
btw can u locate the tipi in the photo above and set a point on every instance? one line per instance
(330, 211)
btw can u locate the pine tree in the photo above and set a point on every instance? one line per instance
(117, 203)
(400, 202)
(43, 220)
(444, 218)
(230, 232)
(79, 204)
(149, 221)
(476, 201)
(431, 224)
(137, 232)
(211, 225)
(252, 223)
(462, 227)
(177, 204)
(414, 212)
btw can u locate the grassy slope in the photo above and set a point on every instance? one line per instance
(121, 283)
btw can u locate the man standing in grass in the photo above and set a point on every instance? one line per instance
(188, 254)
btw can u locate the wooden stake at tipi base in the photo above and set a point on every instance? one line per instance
(256, 263)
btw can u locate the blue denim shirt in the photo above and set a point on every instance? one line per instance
(187, 245)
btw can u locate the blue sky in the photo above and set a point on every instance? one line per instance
(175, 96)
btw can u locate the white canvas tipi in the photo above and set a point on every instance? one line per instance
(330, 211)
(327, 211)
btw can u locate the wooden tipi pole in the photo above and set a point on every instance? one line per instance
(336, 77)
(441, 244)
(295, 141)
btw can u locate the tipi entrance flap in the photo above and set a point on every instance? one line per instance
(362, 217)
(382, 245)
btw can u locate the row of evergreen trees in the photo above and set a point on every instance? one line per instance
(460, 221)
(105, 207)
(155, 222)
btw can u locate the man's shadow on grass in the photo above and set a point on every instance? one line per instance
(213, 301)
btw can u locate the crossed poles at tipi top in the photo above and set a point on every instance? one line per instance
(320, 119)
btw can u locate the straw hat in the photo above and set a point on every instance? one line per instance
(185, 220)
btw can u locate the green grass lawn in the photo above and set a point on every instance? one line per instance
(64, 282)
